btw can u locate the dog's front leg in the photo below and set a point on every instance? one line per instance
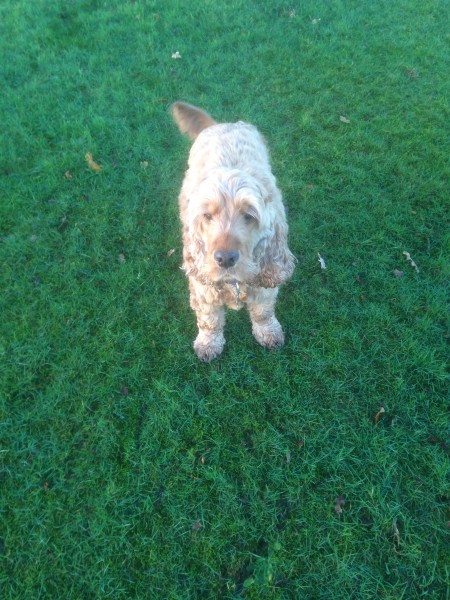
(210, 340)
(266, 329)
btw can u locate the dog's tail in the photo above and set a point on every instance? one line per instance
(190, 119)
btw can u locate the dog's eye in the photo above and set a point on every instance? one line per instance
(207, 216)
(248, 218)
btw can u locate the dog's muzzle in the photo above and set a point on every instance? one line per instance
(226, 258)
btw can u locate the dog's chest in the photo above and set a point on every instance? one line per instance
(232, 295)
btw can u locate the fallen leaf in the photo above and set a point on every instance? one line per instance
(366, 521)
(91, 162)
(398, 273)
(315, 21)
(361, 279)
(171, 251)
(176, 55)
(396, 532)
(344, 119)
(288, 457)
(68, 175)
(446, 447)
(122, 258)
(197, 525)
(322, 262)
(409, 259)
(378, 415)
(338, 504)
(144, 164)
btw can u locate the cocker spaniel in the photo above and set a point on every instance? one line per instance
(234, 229)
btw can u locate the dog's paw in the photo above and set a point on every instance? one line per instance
(208, 347)
(270, 335)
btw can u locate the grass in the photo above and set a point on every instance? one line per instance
(129, 469)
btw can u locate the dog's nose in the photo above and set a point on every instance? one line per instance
(226, 258)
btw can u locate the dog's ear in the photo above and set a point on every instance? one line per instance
(190, 119)
(276, 261)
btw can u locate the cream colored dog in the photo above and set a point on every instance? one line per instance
(234, 229)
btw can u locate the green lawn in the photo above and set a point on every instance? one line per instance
(128, 468)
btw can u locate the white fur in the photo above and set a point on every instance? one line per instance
(229, 200)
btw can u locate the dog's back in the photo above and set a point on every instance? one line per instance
(225, 145)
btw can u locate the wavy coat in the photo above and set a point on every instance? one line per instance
(235, 232)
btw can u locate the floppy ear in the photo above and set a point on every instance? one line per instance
(193, 250)
(275, 259)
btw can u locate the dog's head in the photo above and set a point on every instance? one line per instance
(235, 230)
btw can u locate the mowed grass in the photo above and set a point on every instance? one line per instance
(128, 468)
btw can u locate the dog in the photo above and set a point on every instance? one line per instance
(235, 250)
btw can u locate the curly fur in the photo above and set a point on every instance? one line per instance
(229, 202)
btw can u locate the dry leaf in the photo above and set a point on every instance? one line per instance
(197, 525)
(171, 251)
(361, 279)
(378, 415)
(68, 175)
(344, 119)
(338, 504)
(398, 273)
(176, 55)
(408, 258)
(91, 163)
(315, 21)
(288, 457)
(322, 262)
(144, 164)
(396, 532)
(412, 73)
(435, 440)
(122, 258)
